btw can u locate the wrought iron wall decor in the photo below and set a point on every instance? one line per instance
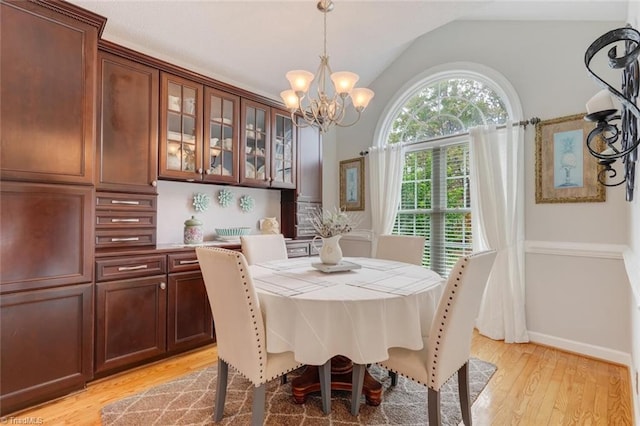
(619, 143)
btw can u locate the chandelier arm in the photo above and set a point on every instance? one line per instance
(353, 122)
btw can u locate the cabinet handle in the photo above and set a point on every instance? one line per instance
(207, 172)
(154, 183)
(125, 220)
(187, 262)
(200, 170)
(115, 240)
(132, 268)
(163, 286)
(132, 203)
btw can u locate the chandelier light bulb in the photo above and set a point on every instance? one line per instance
(290, 99)
(360, 97)
(344, 81)
(300, 80)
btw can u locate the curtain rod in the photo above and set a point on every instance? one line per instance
(523, 123)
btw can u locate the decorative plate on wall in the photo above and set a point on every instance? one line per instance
(201, 202)
(246, 203)
(224, 197)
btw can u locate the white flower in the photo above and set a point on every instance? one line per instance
(329, 223)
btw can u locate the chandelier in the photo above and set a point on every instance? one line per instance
(619, 144)
(327, 108)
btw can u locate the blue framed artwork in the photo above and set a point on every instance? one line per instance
(565, 171)
(352, 184)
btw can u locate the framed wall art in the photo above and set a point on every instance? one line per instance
(565, 171)
(352, 184)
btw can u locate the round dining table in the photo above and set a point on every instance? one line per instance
(355, 311)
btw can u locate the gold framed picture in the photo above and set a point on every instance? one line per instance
(352, 184)
(565, 171)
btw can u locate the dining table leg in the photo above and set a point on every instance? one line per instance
(341, 372)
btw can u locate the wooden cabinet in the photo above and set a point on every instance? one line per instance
(124, 220)
(198, 132)
(283, 150)
(47, 87)
(180, 128)
(127, 154)
(46, 341)
(309, 178)
(130, 321)
(47, 235)
(221, 134)
(189, 318)
(307, 197)
(147, 307)
(267, 147)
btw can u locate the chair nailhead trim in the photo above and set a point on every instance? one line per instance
(451, 296)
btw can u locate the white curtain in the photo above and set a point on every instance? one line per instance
(497, 203)
(385, 174)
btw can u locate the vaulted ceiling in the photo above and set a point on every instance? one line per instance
(252, 44)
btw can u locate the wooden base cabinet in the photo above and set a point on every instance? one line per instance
(189, 319)
(130, 322)
(46, 340)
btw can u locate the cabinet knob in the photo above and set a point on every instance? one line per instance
(207, 172)
(154, 183)
(163, 286)
(200, 170)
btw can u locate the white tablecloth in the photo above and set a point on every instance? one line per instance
(359, 314)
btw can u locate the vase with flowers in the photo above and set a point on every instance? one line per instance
(330, 225)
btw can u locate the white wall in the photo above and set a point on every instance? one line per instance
(577, 289)
(175, 206)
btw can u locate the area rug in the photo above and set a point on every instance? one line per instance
(189, 400)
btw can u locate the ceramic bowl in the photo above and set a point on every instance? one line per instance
(232, 232)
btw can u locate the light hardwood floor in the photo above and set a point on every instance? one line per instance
(534, 385)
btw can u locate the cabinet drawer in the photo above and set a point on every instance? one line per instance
(129, 267)
(116, 201)
(179, 262)
(302, 231)
(298, 250)
(125, 237)
(124, 219)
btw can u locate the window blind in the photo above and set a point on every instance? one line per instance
(435, 203)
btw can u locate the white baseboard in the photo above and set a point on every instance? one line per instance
(586, 349)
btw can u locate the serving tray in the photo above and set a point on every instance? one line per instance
(343, 266)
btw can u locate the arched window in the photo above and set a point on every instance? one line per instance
(433, 118)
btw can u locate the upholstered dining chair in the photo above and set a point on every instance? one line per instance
(263, 247)
(403, 248)
(447, 349)
(240, 331)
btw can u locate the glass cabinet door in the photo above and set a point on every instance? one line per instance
(181, 128)
(255, 167)
(283, 150)
(221, 136)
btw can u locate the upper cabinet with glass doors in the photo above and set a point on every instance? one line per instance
(283, 150)
(180, 128)
(199, 132)
(267, 143)
(222, 113)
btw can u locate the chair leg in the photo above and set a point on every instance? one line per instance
(434, 407)
(257, 408)
(394, 378)
(325, 386)
(221, 390)
(463, 391)
(357, 380)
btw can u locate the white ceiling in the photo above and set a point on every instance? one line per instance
(252, 44)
